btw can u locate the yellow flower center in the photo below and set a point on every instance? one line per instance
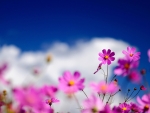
(103, 87)
(127, 66)
(124, 108)
(71, 83)
(49, 101)
(131, 55)
(94, 110)
(146, 107)
(106, 57)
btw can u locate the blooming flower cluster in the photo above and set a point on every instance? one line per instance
(127, 66)
(31, 99)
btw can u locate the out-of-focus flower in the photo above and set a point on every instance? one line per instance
(98, 68)
(104, 88)
(124, 67)
(3, 68)
(51, 101)
(131, 54)
(134, 76)
(106, 109)
(92, 105)
(148, 53)
(101, 87)
(117, 109)
(125, 107)
(71, 83)
(49, 91)
(113, 87)
(144, 103)
(106, 56)
(135, 108)
(29, 97)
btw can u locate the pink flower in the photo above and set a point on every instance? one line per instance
(144, 103)
(125, 66)
(104, 88)
(131, 54)
(134, 76)
(29, 97)
(51, 101)
(71, 83)
(92, 105)
(49, 91)
(106, 56)
(148, 52)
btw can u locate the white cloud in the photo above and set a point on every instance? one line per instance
(83, 56)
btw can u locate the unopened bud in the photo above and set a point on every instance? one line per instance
(143, 71)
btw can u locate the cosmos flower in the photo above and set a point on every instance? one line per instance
(92, 105)
(131, 54)
(49, 91)
(29, 97)
(124, 67)
(51, 101)
(135, 108)
(104, 88)
(71, 83)
(144, 103)
(106, 56)
(125, 107)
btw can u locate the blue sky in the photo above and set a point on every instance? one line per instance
(31, 24)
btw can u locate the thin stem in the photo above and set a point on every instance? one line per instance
(116, 92)
(103, 97)
(135, 95)
(109, 98)
(107, 73)
(129, 96)
(99, 95)
(113, 77)
(85, 94)
(103, 73)
(77, 101)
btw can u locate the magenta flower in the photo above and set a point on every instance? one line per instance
(106, 109)
(134, 77)
(125, 107)
(92, 105)
(131, 54)
(135, 108)
(51, 101)
(71, 83)
(148, 52)
(125, 66)
(144, 103)
(106, 56)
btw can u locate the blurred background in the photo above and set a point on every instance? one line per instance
(47, 37)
